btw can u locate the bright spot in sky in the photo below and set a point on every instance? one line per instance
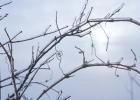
(103, 32)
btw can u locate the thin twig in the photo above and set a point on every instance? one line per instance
(82, 67)
(0, 85)
(107, 44)
(57, 25)
(135, 57)
(1, 18)
(5, 4)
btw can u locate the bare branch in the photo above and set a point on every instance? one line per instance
(35, 37)
(0, 86)
(57, 25)
(5, 4)
(135, 57)
(115, 20)
(66, 98)
(83, 54)
(107, 44)
(1, 18)
(82, 67)
(115, 11)
(42, 56)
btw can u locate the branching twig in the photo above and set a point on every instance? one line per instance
(109, 15)
(83, 54)
(85, 66)
(81, 27)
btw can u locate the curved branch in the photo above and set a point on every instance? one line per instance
(112, 65)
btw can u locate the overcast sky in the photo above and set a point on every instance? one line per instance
(34, 16)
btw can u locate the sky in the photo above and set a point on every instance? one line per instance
(100, 83)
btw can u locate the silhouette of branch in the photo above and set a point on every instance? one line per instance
(5, 4)
(81, 27)
(113, 65)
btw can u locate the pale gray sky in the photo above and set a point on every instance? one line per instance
(33, 16)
